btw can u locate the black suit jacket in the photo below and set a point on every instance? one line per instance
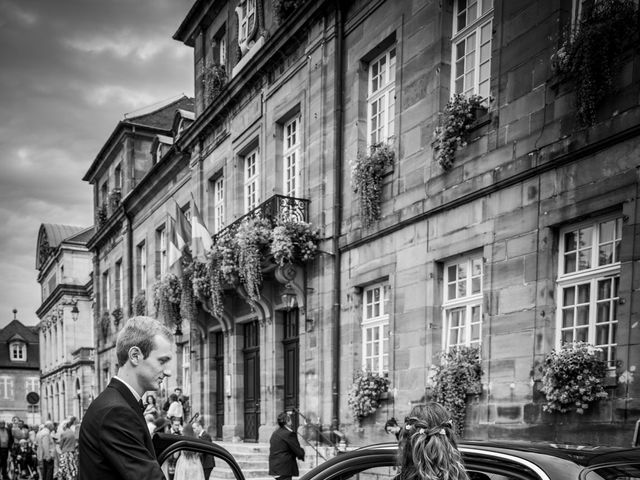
(114, 440)
(283, 451)
(208, 462)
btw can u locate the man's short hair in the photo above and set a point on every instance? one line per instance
(139, 332)
(283, 419)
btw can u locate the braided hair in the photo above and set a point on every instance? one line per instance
(427, 448)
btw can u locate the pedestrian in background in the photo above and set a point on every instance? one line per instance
(284, 449)
(6, 442)
(150, 406)
(208, 462)
(427, 448)
(175, 408)
(46, 451)
(68, 456)
(391, 426)
(114, 439)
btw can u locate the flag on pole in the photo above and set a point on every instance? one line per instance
(183, 228)
(175, 252)
(200, 237)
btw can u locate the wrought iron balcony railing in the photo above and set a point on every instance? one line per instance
(276, 209)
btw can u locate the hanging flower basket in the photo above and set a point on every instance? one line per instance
(252, 238)
(573, 378)
(457, 376)
(367, 173)
(591, 53)
(364, 393)
(166, 298)
(456, 120)
(139, 303)
(117, 315)
(214, 78)
(293, 241)
(105, 324)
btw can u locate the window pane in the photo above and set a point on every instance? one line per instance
(567, 318)
(475, 285)
(584, 259)
(451, 273)
(603, 312)
(567, 336)
(585, 237)
(583, 315)
(581, 335)
(605, 254)
(462, 270)
(451, 291)
(604, 289)
(583, 293)
(606, 231)
(462, 288)
(602, 335)
(569, 296)
(570, 263)
(570, 242)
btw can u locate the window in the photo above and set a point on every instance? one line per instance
(251, 190)
(32, 384)
(106, 290)
(375, 329)
(219, 47)
(186, 375)
(588, 280)
(61, 273)
(18, 351)
(104, 194)
(471, 47)
(141, 263)
(119, 283)
(291, 158)
(161, 251)
(381, 97)
(6, 387)
(462, 303)
(118, 177)
(246, 20)
(218, 204)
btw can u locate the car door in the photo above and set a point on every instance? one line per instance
(188, 458)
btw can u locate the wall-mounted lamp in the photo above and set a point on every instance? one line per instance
(75, 312)
(289, 298)
(309, 324)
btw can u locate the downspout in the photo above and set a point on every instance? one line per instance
(337, 213)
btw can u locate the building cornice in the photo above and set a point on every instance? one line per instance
(58, 293)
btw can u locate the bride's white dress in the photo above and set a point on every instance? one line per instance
(189, 467)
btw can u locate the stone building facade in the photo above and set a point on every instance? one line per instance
(138, 178)
(67, 376)
(526, 239)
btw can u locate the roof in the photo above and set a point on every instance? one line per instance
(50, 236)
(159, 120)
(17, 330)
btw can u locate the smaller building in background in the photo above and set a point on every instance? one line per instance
(19, 372)
(67, 372)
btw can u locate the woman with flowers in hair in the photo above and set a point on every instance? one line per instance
(427, 448)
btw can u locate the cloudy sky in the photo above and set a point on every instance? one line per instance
(70, 70)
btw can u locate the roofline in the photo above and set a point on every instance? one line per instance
(121, 126)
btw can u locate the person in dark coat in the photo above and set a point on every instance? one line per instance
(208, 461)
(114, 439)
(284, 449)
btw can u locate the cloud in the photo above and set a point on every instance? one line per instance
(70, 71)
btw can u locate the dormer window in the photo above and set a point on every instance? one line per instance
(18, 351)
(246, 12)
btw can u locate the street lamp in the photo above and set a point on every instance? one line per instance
(75, 312)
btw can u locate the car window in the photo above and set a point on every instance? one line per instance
(193, 464)
(613, 472)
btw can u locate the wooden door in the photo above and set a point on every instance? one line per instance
(219, 368)
(251, 381)
(291, 346)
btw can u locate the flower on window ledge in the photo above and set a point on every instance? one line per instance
(364, 393)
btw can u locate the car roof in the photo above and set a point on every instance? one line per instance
(585, 455)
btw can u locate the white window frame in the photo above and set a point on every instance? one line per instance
(251, 169)
(186, 368)
(586, 271)
(18, 351)
(106, 277)
(245, 9)
(222, 50)
(218, 204)
(142, 258)
(467, 285)
(375, 328)
(476, 48)
(7, 391)
(32, 384)
(162, 239)
(291, 162)
(381, 81)
(120, 284)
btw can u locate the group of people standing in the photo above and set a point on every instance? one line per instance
(46, 452)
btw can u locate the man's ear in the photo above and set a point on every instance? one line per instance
(135, 355)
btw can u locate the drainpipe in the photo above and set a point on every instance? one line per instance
(337, 215)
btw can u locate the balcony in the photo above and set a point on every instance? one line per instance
(275, 209)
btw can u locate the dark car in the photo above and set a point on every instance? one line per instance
(483, 460)
(495, 461)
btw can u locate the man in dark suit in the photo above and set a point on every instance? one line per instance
(284, 450)
(208, 461)
(114, 440)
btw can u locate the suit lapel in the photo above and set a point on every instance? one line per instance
(135, 406)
